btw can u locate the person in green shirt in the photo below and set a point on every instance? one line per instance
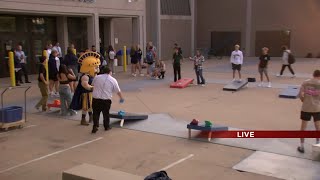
(177, 58)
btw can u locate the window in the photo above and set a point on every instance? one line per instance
(175, 7)
(7, 24)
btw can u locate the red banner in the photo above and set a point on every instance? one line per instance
(261, 134)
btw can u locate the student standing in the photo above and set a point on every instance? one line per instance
(263, 66)
(23, 63)
(65, 76)
(139, 57)
(104, 86)
(43, 85)
(236, 60)
(285, 61)
(310, 97)
(111, 56)
(134, 60)
(162, 69)
(53, 72)
(177, 58)
(198, 67)
(71, 61)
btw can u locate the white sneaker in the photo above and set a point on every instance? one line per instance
(269, 85)
(51, 94)
(293, 76)
(260, 84)
(278, 75)
(57, 94)
(141, 74)
(240, 80)
(203, 85)
(134, 75)
(233, 80)
(157, 78)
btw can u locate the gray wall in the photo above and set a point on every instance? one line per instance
(217, 15)
(174, 30)
(122, 31)
(301, 17)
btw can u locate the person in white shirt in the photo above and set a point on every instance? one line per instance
(49, 49)
(23, 62)
(236, 60)
(58, 49)
(104, 85)
(285, 61)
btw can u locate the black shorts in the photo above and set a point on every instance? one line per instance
(306, 116)
(135, 61)
(236, 67)
(53, 77)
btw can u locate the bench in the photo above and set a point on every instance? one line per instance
(206, 129)
(316, 152)
(91, 172)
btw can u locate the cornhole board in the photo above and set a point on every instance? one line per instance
(291, 92)
(128, 116)
(182, 83)
(88, 172)
(235, 85)
(206, 129)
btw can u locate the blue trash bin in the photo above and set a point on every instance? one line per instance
(11, 114)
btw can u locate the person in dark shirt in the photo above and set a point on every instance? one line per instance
(53, 72)
(263, 66)
(71, 61)
(43, 85)
(177, 58)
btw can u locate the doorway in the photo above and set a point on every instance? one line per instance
(222, 42)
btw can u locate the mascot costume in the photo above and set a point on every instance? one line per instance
(82, 99)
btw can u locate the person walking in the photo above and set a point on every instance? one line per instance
(198, 67)
(17, 69)
(285, 61)
(104, 85)
(43, 85)
(65, 76)
(236, 60)
(19, 54)
(310, 98)
(177, 58)
(71, 61)
(263, 66)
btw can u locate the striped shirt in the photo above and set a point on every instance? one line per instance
(198, 62)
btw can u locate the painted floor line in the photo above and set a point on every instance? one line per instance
(177, 162)
(49, 155)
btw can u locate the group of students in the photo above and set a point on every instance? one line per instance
(236, 60)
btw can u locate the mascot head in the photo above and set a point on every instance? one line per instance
(90, 62)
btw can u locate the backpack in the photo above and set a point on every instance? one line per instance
(149, 57)
(291, 58)
(161, 175)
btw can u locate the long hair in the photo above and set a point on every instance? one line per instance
(63, 70)
(133, 50)
(110, 48)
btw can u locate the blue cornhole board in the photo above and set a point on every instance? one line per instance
(235, 85)
(128, 116)
(202, 127)
(291, 92)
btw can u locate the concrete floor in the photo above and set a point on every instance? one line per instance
(142, 153)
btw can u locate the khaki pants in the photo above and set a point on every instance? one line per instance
(44, 92)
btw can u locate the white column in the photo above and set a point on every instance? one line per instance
(136, 30)
(248, 50)
(112, 37)
(193, 27)
(62, 33)
(93, 31)
(158, 12)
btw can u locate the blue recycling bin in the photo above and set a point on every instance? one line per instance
(11, 114)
